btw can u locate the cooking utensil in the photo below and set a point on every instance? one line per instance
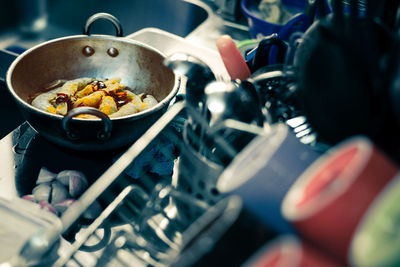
(198, 76)
(139, 66)
(206, 152)
(230, 101)
(197, 173)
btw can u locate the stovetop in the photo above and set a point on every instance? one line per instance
(24, 152)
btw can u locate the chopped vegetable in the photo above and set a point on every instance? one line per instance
(56, 192)
(109, 96)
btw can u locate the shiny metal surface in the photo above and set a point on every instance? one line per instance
(64, 58)
(197, 72)
(170, 44)
(139, 67)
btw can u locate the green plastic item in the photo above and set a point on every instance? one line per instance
(377, 239)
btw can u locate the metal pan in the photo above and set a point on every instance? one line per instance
(140, 67)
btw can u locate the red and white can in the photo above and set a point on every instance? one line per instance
(327, 202)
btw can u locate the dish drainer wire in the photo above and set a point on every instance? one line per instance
(159, 201)
(161, 205)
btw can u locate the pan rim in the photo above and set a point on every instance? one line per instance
(160, 105)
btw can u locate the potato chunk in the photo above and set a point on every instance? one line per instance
(108, 105)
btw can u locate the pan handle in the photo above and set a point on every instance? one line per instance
(104, 16)
(73, 135)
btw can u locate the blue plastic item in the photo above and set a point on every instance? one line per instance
(263, 173)
(257, 25)
(15, 49)
(270, 50)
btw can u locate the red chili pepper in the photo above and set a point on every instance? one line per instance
(122, 94)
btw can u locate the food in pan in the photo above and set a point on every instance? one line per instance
(108, 95)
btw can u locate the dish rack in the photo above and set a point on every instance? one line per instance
(160, 204)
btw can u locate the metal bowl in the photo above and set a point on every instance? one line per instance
(139, 66)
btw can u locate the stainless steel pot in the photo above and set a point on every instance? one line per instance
(139, 66)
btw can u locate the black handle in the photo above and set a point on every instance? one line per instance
(73, 135)
(104, 16)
